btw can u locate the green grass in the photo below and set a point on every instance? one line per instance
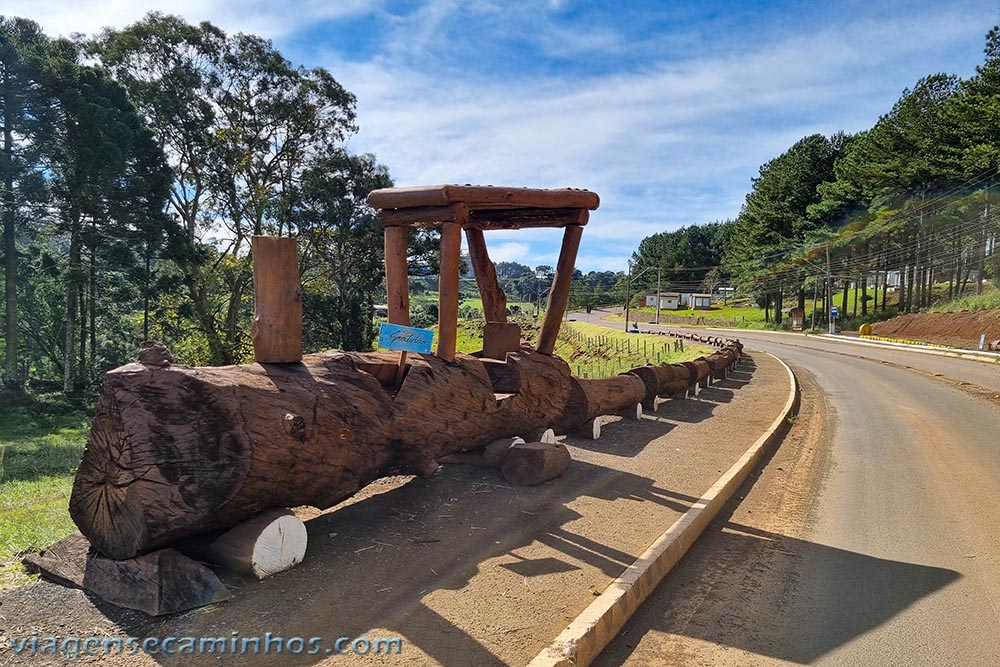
(42, 444)
(738, 314)
(522, 306)
(731, 316)
(989, 299)
(592, 350)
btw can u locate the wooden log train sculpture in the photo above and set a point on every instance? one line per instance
(176, 451)
(177, 455)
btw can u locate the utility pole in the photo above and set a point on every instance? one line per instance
(628, 297)
(815, 295)
(829, 294)
(657, 295)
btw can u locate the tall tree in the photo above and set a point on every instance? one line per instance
(343, 262)
(241, 127)
(23, 105)
(776, 217)
(109, 184)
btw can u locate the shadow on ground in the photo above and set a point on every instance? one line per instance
(374, 563)
(873, 589)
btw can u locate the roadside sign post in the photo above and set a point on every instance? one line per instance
(404, 339)
(833, 319)
(982, 341)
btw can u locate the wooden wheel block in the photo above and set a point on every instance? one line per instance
(269, 543)
(591, 429)
(633, 412)
(542, 435)
(533, 463)
(494, 453)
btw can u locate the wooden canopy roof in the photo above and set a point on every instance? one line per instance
(482, 206)
(474, 209)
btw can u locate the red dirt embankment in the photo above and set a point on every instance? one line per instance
(960, 329)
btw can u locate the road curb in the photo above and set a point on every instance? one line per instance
(923, 349)
(587, 635)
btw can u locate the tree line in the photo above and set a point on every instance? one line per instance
(908, 202)
(136, 166)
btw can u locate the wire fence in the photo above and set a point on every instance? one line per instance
(610, 354)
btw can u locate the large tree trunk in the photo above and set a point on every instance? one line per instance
(11, 374)
(72, 305)
(176, 451)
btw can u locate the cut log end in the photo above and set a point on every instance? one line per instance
(269, 543)
(103, 503)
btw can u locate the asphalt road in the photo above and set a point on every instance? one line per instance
(871, 538)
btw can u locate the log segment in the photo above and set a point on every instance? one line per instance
(177, 451)
(276, 330)
(535, 462)
(494, 300)
(559, 294)
(591, 398)
(448, 297)
(268, 543)
(484, 196)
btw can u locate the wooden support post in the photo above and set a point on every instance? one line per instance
(494, 300)
(541, 435)
(633, 412)
(451, 248)
(591, 429)
(397, 275)
(276, 330)
(559, 294)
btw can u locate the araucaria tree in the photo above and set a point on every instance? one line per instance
(83, 182)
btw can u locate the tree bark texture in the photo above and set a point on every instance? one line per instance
(176, 451)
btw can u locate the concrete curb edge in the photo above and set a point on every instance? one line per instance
(587, 635)
(976, 355)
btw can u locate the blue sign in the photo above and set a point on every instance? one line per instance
(410, 339)
(834, 312)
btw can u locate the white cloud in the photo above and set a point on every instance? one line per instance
(666, 140)
(676, 131)
(510, 252)
(261, 17)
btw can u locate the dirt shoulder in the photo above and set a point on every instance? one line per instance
(710, 610)
(466, 569)
(959, 329)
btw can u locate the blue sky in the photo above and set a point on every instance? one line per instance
(666, 109)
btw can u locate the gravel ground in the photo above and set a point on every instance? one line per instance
(466, 569)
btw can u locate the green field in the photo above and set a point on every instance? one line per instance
(738, 314)
(592, 350)
(41, 446)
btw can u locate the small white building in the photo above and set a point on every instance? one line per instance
(701, 301)
(668, 300)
